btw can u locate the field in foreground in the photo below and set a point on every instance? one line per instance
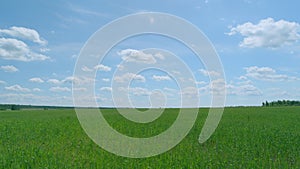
(248, 137)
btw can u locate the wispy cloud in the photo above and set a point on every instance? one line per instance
(84, 11)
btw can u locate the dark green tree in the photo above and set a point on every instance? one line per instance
(267, 103)
(15, 107)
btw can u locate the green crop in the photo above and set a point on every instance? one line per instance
(247, 137)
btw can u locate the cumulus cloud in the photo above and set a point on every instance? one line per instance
(137, 91)
(102, 68)
(191, 92)
(219, 86)
(160, 78)
(77, 80)
(71, 79)
(17, 88)
(243, 90)
(200, 82)
(60, 89)
(267, 33)
(23, 33)
(86, 69)
(44, 50)
(159, 56)
(132, 55)
(81, 89)
(267, 74)
(36, 80)
(36, 89)
(54, 81)
(13, 49)
(129, 76)
(209, 73)
(120, 67)
(109, 89)
(9, 68)
(105, 80)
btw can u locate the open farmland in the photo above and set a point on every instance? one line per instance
(247, 137)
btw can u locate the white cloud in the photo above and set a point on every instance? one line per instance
(267, 33)
(2, 82)
(69, 79)
(109, 89)
(191, 92)
(161, 78)
(54, 81)
(209, 73)
(36, 80)
(243, 90)
(102, 68)
(13, 49)
(129, 76)
(120, 67)
(44, 50)
(17, 88)
(170, 91)
(176, 73)
(132, 55)
(137, 91)
(105, 80)
(200, 82)
(24, 33)
(242, 78)
(219, 86)
(72, 79)
(60, 89)
(9, 68)
(36, 89)
(267, 74)
(83, 11)
(82, 89)
(77, 80)
(86, 69)
(159, 56)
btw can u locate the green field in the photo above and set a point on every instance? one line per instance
(247, 137)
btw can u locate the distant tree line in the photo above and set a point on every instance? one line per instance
(281, 103)
(19, 107)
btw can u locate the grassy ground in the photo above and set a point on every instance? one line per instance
(247, 137)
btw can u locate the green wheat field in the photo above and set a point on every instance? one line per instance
(247, 137)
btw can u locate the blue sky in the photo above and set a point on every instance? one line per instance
(257, 42)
